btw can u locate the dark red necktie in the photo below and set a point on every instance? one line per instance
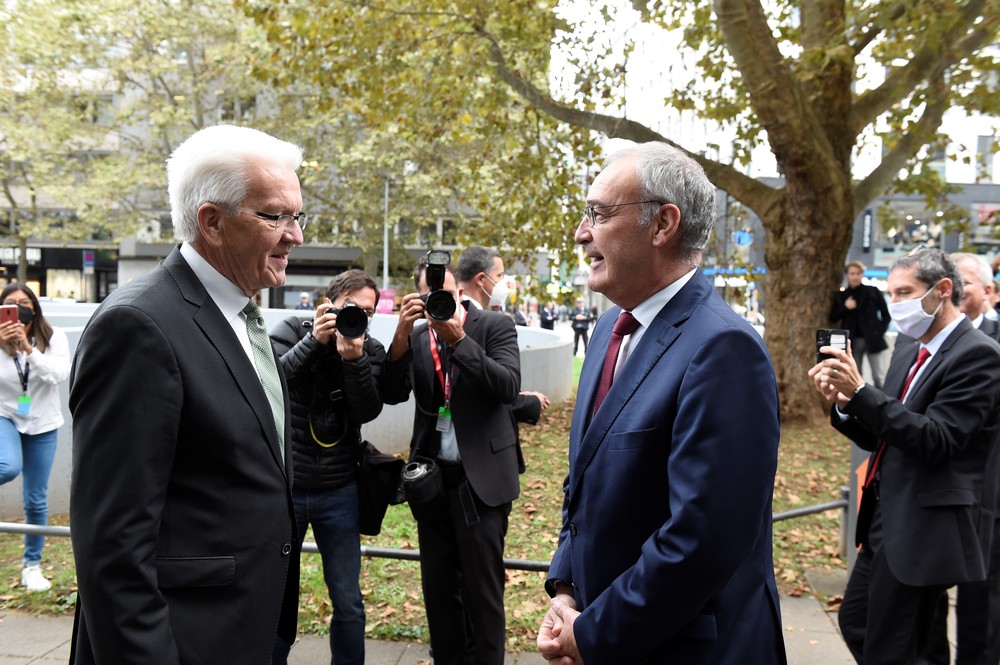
(922, 357)
(625, 325)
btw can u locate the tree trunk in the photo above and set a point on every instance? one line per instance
(807, 240)
(22, 260)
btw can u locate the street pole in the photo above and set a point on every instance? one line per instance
(385, 239)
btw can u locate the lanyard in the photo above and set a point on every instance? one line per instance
(22, 374)
(445, 379)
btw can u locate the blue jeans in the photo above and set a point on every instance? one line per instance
(31, 456)
(333, 515)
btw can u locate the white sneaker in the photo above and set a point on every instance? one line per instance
(33, 580)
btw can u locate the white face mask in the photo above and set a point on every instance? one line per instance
(910, 317)
(500, 291)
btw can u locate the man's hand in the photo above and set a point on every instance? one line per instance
(350, 349)
(411, 310)
(556, 641)
(451, 330)
(838, 377)
(324, 323)
(540, 396)
(851, 303)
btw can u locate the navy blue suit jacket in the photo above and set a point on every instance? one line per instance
(666, 534)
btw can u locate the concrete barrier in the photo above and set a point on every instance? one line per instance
(546, 366)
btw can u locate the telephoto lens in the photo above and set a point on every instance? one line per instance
(352, 322)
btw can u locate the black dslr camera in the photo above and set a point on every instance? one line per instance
(352, 322)
(438, 304)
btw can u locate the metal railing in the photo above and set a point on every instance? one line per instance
(510, 564)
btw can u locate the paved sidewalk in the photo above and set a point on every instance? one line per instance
(811, 638)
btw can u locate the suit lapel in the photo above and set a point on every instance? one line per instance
(938, 358)
(662, 332)
(896, 375)
(220, 334)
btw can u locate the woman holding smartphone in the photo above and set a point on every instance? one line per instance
(34, 361)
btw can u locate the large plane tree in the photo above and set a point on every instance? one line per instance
(791, 74)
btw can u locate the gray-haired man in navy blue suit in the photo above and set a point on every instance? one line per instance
(665, 550)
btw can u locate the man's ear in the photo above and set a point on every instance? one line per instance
(210, 223)
(947, 287)
(666, 224)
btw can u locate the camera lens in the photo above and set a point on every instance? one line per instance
(440, 305)
(352, 322)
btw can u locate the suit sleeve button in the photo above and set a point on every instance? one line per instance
(572, 529)
(286, 549)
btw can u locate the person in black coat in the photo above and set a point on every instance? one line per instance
(861, 310)
(333, 383)
(580, 319)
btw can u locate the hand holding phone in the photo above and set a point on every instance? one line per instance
(835, 337)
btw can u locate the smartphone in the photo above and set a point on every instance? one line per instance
(834, 337)
(8, 313)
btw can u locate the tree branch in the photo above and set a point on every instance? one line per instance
(935, 57)
(751, 192)
(911, 141)
(873, 29)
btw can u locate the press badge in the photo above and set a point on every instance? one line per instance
(23, 405)
(444, 419)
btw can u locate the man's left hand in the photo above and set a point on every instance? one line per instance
(837, 377)
(350, 349)
(556, 641)
(451, 330)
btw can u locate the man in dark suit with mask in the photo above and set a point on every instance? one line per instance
(926, 516)
(464, 373)
(480, 275)
(183, 526)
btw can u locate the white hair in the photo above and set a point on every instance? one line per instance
(210, 166)
(983, 270)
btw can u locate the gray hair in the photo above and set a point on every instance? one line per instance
(933, 265)
(211, 166)
(983, 270)
(669, 175)
(474, 260)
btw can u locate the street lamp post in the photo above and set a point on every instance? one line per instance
(385, 239)
(409, 168)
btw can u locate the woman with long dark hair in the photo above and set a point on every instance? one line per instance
(33, 362)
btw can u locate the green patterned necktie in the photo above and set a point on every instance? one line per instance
(264, 359)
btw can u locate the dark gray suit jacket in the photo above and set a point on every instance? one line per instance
(182, 519)
(487, 379)
(939, 474)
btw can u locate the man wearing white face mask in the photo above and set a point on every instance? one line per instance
(480, 275)
(925, 520)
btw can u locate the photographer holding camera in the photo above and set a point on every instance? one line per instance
(333, 369)
(464, 370)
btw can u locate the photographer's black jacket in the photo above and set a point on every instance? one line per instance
(330, 399)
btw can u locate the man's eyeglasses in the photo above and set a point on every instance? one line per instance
(277, 221)
(591, 212)
(282, 220)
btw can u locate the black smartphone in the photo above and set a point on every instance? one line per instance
(834, 337)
